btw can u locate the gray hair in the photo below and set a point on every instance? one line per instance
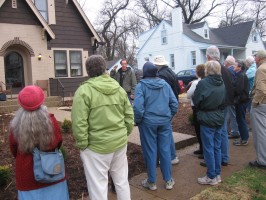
(213, 52)
(212, 68)
(249, 61)
(32, 129)
(230, 60)
(95, 66)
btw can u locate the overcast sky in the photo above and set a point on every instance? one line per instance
(92, 9)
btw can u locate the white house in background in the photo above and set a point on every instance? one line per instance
(184, 45)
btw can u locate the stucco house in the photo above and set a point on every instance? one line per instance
(46, 40)
(184, 45)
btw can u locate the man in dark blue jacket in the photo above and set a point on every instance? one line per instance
(241, 90)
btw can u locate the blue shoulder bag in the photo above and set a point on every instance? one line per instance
(48, 167)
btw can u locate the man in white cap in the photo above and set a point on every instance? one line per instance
(164, 72)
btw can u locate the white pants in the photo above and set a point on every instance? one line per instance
(96, 167)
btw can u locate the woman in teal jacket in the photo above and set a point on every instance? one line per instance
(154, 106)
(102, 118)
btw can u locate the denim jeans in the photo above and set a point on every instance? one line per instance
(231, 115)
(211, 140)
(152, 137)
(173, 151)
(225, 145)
(241, 120)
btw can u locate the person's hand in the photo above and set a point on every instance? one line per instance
(132, 96)
(115, 67)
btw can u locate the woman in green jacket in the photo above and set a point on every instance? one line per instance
(102, 118)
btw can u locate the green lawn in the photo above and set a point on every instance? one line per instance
(248, 184)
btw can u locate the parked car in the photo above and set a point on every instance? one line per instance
(186, 76)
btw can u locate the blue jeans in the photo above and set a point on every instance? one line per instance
(211, 140)
(225, 144)
(152, 137)
(231, 115)
(173, 151)
(241, 120)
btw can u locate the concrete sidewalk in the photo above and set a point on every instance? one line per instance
(186, 173)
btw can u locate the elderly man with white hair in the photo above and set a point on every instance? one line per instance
(252, 68)
(258, 111)
(230, 62)
(213, 53)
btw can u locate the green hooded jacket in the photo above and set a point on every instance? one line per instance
(102, 116)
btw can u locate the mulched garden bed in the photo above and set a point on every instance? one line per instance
(74, 168)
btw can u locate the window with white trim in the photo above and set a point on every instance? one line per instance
(75, 63)
(164, 37)
(14, 4)
(254, 36)
(172, 60)
(206, 33)
(42, 6)
(60, 63)
(193, 58)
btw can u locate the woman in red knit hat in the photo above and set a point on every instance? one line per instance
(33, 127)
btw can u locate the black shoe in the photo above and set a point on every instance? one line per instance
(224, 163)
(203, 164)
(233, 136)
(201, 156)
(256, 164)
(198, 152)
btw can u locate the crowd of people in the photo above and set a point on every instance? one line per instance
(104, 113)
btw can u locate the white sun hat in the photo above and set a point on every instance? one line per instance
(160, 60)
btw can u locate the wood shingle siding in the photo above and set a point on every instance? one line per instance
(20, 15)
(71, 30)
(70, 85)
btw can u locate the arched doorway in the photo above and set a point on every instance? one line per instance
(14, 71)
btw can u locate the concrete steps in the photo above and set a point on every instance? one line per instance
(11, 105)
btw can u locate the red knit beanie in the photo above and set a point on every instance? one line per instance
(31, 97)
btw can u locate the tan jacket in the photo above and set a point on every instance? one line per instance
(259, 87)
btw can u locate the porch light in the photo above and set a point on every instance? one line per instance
(39, 56)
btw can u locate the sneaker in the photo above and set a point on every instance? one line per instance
(169, 184)
(175, 161)
(218, 178)
(201, 156)
(207, 181)
(230, 136)
(224, 163)
(203, 163)
(256, 165)
(197, 152)
(150, 186)
(240, 142)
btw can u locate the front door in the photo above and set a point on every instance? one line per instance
(14, 71)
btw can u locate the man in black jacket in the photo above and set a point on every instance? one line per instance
(241, 90)
(164, 72)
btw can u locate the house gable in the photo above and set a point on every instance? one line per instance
(235, 35)
(155, 30)
(25, 13)
(20, 15)
(71, 30)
